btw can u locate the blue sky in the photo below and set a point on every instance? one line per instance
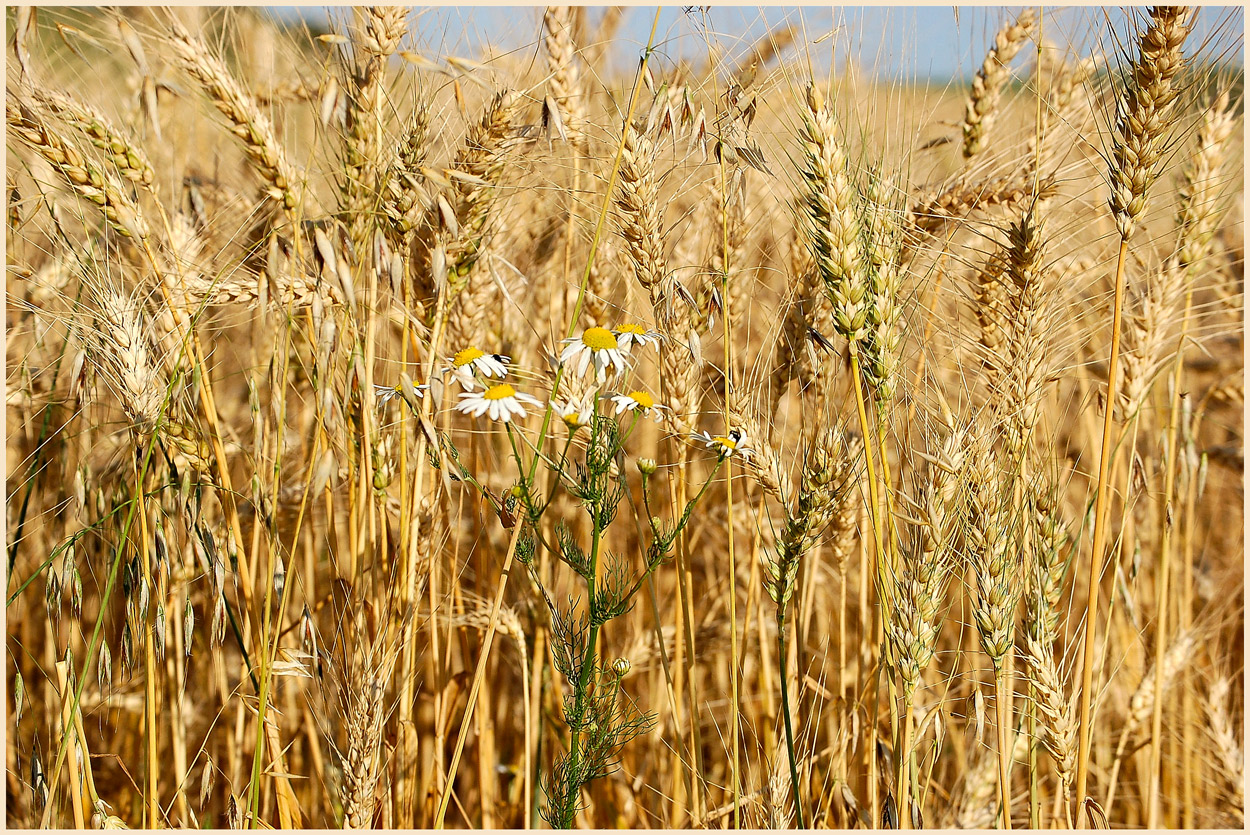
(905, 42)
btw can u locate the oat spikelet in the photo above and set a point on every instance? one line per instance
(1142, 114)
(987, 86)
(247, 123)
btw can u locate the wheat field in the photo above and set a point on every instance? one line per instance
(716, 431)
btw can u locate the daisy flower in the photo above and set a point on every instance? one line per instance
(636, 401)
(575, 413)
(630, 334)
(597, 345)
(385, 393)
(463, 365)
(735, 443)
(499, 402)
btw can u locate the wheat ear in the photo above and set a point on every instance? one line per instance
(565, 81)
(987, 85)
(130, 160)
(246, 121)
(87, 179)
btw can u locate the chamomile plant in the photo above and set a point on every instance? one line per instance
(591, 469)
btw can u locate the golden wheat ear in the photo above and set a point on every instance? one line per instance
(987, 86)
(244, 117)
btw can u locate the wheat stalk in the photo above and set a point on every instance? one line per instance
(1228, 748)
(1143, 114)
(832, 217)
(1142, 119)
(1031, 316)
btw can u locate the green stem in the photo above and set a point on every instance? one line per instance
(583, 679)
(94, 645)
(785, 713)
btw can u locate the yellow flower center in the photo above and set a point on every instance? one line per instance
(727, 443)
(599, 339)
(573, 420)
(499, 392)
(643, 399)
(467, 356)
(630, 327)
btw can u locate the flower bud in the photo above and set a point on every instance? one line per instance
(621, 667)
(646, 466)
